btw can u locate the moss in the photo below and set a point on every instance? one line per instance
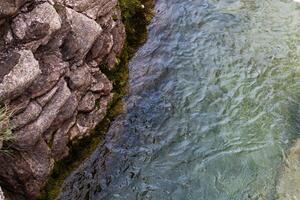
(135, 19)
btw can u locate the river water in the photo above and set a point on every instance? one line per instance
(212, 110)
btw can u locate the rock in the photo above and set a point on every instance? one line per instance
(37, 25)
(88, 121)
(101, 47)
(101, 84)
(61, 139)
(77, 43)
(118, 33)
(92, 8)
(43, 100)
(68, 110)
(19, 104)
(1, 195)
(31, 167)
(80, 78)
(53, 68)
(87, 103)
(10, 7)
(31, 113)
(21, 76)
(50, 52)
(27, 137)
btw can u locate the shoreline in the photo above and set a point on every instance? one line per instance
(136, 17)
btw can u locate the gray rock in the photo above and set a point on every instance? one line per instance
(37, 25)
(53, 68)
(21, 76)
(80, 78)
(92, 8)
(77, 43)
(28, 136)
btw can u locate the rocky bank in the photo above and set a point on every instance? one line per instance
(50, 52)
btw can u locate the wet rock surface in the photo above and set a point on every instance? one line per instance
(50, 52)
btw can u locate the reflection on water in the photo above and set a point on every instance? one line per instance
(213, 106)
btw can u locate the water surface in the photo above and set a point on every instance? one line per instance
(213, 106)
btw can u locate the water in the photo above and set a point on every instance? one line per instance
(212, 109)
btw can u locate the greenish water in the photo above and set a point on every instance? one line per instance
(212, 109)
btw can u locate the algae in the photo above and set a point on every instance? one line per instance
(136, 15)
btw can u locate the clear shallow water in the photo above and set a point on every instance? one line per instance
(213, 105)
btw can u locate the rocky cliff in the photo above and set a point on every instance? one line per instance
(50, 52)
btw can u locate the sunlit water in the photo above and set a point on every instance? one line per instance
(213, 106)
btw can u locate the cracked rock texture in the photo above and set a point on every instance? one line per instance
(50, 52)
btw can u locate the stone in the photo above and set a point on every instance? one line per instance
(53, 68)
(77, 43)
(31, 167)
(87, 103)
(88, 121)
(61, 138)
(50, 52)
(92, 8)
(101, 48)
(24, 71)
(80, 78)
(31, 113)
(28, 136)
(19, 104)
(37, 25)
(101, 84)
(67, 111)
(43, 100)
(10, 7)
(118, 33)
